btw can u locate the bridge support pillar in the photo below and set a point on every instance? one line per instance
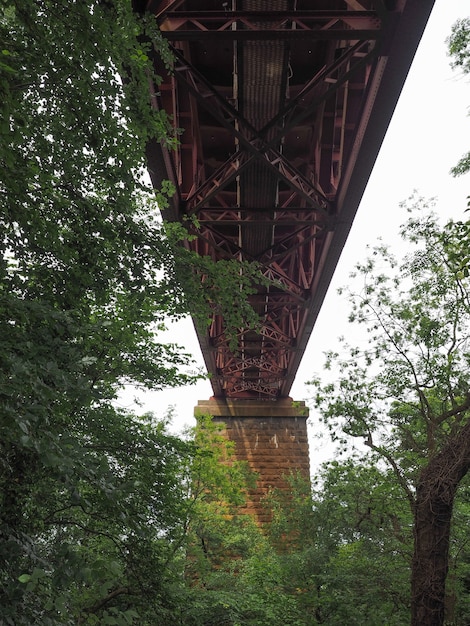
(271, 436)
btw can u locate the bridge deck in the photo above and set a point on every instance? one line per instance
(284, 106)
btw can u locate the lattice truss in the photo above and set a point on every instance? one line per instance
(271, 96)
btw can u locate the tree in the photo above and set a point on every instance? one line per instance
(459, 49)
(236, 572)
(88, 276)
(363, 535)
(406, 394)
(102, 546)
(334, 543)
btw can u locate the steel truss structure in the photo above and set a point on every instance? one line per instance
(282, 106)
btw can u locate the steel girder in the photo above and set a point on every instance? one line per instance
(278, 105)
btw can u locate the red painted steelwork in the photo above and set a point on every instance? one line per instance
(283, 106)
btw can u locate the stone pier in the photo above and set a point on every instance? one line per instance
(270, 435)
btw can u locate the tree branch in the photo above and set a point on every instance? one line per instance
(99, 604)
(401, 479)
(461, 408)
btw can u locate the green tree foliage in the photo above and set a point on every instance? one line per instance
(99, 531)
(338, 555)
(405, 392)
(90, 496)
(236, 572)
(336, 543)
(365, 533)
(459, 49)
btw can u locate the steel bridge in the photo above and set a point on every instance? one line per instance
(283, 106)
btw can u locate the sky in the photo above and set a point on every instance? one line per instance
(429, 132)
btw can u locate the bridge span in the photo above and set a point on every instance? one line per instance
(284, 105)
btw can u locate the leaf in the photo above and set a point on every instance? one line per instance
(24, 578)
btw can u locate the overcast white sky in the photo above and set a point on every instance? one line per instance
(429, 132)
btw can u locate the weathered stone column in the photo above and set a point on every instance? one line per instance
(270, 435)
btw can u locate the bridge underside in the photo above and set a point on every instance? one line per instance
(283, 106)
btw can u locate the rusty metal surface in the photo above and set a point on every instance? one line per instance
(283, 107)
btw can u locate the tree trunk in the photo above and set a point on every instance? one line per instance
(435, 496)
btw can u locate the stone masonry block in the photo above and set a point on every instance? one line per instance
(271, 436)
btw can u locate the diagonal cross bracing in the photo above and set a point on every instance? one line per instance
(283, 106)
(248, 138)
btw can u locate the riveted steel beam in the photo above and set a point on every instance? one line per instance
(245, 25)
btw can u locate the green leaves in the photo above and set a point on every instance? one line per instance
(418, 324)
(459, 49)
(92, 496)
(405, 391)
(459, 45)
